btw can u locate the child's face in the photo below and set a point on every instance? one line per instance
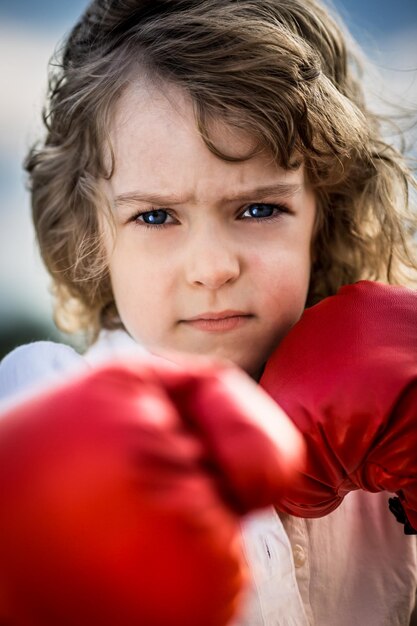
(215, 252)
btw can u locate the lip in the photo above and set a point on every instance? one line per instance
(219, 322)
(211, 315)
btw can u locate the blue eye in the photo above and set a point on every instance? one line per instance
(154, 218)
(262, 211)
(255, 212)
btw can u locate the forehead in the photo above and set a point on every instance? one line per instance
(156, 145)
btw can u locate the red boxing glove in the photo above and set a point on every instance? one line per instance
(346, 374)
(121, 493)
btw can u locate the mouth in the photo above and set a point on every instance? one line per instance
(219, 321)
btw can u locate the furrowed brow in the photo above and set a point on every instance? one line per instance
(136, 197)
(277, 189)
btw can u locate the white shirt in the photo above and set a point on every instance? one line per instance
(354, 567)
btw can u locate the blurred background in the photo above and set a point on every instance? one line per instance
(30, 31)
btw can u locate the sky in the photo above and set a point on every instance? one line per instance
(379, 16)
(30, 30)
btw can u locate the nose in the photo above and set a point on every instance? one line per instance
(212, 259)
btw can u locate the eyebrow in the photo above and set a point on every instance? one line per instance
(277, 189)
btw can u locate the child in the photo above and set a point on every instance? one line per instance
(211, 168)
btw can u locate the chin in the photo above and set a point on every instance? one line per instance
(254, 370)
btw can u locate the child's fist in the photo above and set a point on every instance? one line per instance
(346, 374)
(121, 493)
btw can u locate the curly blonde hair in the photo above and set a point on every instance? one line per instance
(281, 70)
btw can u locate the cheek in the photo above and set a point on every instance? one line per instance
(282, 272)
(133, 271)
(282, 287)
(141, 289)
